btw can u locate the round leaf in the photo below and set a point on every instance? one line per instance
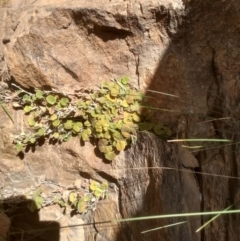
(111, 98)
(68, 137)
(158, 129)
(27, 108)
(124, 103)
(31, 121)
(26, 98)
(87, 198)
(72, 197)
(56, 123)
(120, 145)
(64, 101)
(39, 94)
(114, 92)
(19, 147)
(94, 185)
(77, 126)
(32, 140)
(53, 117)
(88, 131)
(82, 205)
(107, 136)
(125, 80)
(93, 114)
(85, 135)
(51, 99)
(68, 125)
(136, 117)
(87, 123)
(56, 135)
(167, 131)
(145, 126)
(104, 186)
(41, 132)
(102, 143)
(110, 156)
(98, 192)
(117, 136)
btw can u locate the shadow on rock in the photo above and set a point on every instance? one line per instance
(17, 222)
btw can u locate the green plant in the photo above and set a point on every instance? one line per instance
(80, 199)
(36, 201)
(180, 215)
(110, 116)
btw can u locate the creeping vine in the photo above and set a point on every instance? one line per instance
(110, 116)
(81, 200)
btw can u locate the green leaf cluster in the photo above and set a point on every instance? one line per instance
(36, 202)
(110, 116)
(82, 202)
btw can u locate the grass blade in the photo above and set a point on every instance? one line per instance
(177, 215)
(192, 147)
(170, 169)
(218, 119)
(161, 109)
(220, 146)
(211, 220)
(200, 140)
(166, 226)
(162, 93)
(6, 111)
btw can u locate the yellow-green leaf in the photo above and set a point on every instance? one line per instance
(39, 94)
(51, 99)
(94, 185)
(120, 146)
(41, 132)
(27, 108)
(125, 80)
(124, 103)
(87, 123)
(56, 135)
(53, 117)
(64, 101)
(158, 129)
(104, 186)
(145, 126)
(110, 156)
(87, 198)
(77, 126)
(98, 192)
(19, 147)
(31, 121)
(56, 123)
(72, 197)
(68, 125)
(82, 205)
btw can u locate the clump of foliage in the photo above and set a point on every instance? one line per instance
(89, 200)
(110, 116)
(80, 200)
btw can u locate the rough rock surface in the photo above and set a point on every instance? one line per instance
(186, 48)
(4, 226)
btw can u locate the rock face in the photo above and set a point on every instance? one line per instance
(4, 228)
(189, 49)
(86, 42)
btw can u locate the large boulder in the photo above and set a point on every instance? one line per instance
(189, 49)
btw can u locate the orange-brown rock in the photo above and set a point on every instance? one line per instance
(189, 49)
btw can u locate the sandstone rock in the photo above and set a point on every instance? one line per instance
(4, 227)
(85, 43)
(186, 48)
